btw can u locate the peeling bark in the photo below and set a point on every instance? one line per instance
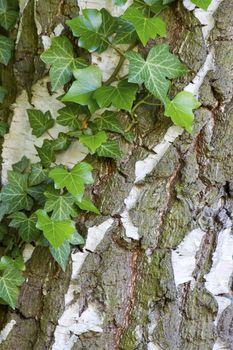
(156, 270)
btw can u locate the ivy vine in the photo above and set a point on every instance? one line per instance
(41, 202)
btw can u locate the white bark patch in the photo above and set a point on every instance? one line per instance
(6, 331)
(184, 257)
(27, 252)
(152, 346)
(107, 4)
(220, 345)
(70, 324)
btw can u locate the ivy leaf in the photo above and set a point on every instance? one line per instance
(119, 2)
(61, 57)
(109, 149)
(93, 28)
(37, 175)
(46, 153)
(39, 121)
(10, 280)
(125, 33)
(8, 16)
(121, 96)
(14, 194)
(77, 239)
(22, 165)
(88, 80)
(61, 143)
(92, 142)
(180, 109)
(3, 93)
(146, 28)
(56, 232)
(7, 261)
(203, 4)
(62, 206)
(25, 225)
(37, 192)
(159, 65)
(68, 116)
(73, 180)
(61, 254)
(87, 205)
(6, 46)
(109, 122)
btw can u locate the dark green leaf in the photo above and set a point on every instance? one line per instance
(159, 65)
(22, 165)
(61, 254)
(109, 149)
(8, 16)
(62, 206)
(37, 175)
(6, 46)
(46, 153)
(39, 121)
(68, 116)
(26, 226)
(61, 143)
(125, 33)
(109, 122)
(10, 280)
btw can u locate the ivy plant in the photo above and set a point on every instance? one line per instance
(41, 202)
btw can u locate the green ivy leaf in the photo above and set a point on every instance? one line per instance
(77, 239)
(73, 180)
(6, 46)
(61, 57)
(37, 175)
(87, 205)
(109, 122)
(159, 65)
(56, 232)
(8, 16)
(10, 280)
(204, 4)
(3, 93)
(119, 2)
(121, 96)
(25, 225)
(37, 192)
(22, 165)
(68, 116)
(125, 33)
(61, 254)
(46, 153)
(88, 80)
(92, 142)
(62, 206)
(39, 121)
(146, 28)
(7, 261)
(61, 143)
(93, 28)
(14, 194)
(180, 109)
(109, 149)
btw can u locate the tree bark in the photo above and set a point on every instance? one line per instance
(156, 270)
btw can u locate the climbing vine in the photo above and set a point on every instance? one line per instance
(41, 202)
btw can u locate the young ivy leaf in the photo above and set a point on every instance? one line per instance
(56, 232)
(121, 96)
(92, 142)
(25, 225)
(93, 28)
(159, 65)
(10, 280)
(87, 205)
(203, 4)
(180, 109)
(146, 28)
(109, 149)
(39, 121)
(88, 80)
(109, 122)
(61, 57)
(8, 16)
(6, 46)
(62, 206)
(73, 180)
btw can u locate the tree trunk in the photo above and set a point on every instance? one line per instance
(156, 270)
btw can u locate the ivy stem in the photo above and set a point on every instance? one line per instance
(119, 65)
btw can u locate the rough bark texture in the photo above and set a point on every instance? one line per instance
(127, 294)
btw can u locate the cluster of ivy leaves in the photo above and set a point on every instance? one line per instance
(41, 201)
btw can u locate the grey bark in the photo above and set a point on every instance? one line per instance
(132, 283)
